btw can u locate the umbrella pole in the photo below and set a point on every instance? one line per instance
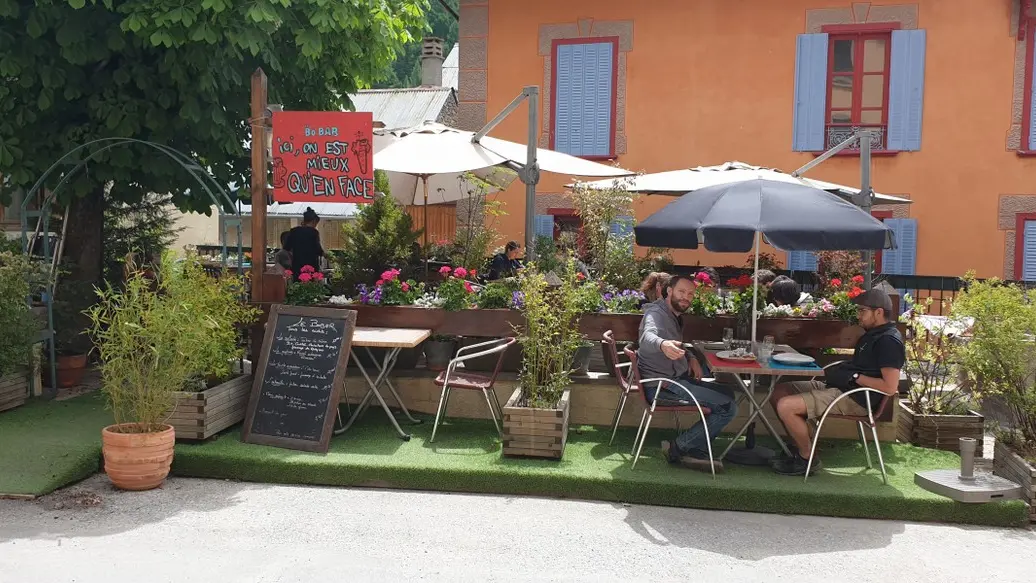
(424, 180)
(755, 284)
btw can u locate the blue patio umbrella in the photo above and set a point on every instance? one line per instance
(734, 217)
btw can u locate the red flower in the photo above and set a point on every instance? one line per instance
(287, 273)
(740, 281)
(703, 278)
(468, 288)
(390, 274)
(406, 286)
(474, 272)
(580, 276)
(857, 279)
(318, 276)
(444, 270)
(380, 282)
(836, 282)
(308, 269)
(460, 272)
(305, 276)
(855, 292)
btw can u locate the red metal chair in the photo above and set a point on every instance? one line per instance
(652, 406)
(622, 377)
(450, 379)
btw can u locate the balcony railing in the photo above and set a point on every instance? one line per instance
(838, 133)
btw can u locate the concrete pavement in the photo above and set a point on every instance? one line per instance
(226, 532)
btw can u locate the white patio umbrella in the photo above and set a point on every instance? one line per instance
(428, 163)
(680, 182)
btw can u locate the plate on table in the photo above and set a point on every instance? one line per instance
(793, 358)
(735, 356)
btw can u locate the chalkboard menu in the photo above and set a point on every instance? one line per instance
(299, 377)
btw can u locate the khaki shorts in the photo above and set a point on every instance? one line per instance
(818, 397)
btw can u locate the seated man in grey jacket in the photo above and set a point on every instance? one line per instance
(662, 355)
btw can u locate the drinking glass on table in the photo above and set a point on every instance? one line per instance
(728, 338)
(766, 349)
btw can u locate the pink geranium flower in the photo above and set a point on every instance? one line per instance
(287, 273)
(406, 286)
(444, 270)
(836, 282)
(460, 272)
(857, 279)
(318, 276)
(467, 286)
(305, 276)
(474, 272)
(380, 282)
(308, 269)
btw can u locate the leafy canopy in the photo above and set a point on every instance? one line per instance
(176, 72)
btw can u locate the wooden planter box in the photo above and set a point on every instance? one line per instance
(1008, 464)
(14, 391)
(205, 413)
(536, 432)
(939, 431)
(802, 333)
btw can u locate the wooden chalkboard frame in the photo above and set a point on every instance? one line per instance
(259, 374)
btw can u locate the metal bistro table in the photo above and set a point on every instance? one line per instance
(737, 370)
(394, 339)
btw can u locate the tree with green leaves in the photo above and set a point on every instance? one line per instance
(406, 71)
(176, 73)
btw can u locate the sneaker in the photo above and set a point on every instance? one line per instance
(694, 460)
(796, 466)
(667, 448)
(783, 457)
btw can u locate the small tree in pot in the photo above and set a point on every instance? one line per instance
(153, 336)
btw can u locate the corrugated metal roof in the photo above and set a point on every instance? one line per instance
(451, 68)
(398, 108)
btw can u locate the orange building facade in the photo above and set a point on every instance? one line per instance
(945, 85)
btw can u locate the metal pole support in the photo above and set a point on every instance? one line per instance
(866, 201)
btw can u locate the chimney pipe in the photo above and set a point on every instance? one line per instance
(431, 61)
(967, 458)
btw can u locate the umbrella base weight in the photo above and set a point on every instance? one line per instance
(756, 456)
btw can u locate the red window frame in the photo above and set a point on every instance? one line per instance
(881, 216)
(1019, 242)
(614, 41)
(1028, 33)
(567, 216)
(859, 34)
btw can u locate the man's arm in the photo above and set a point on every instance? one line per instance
(888, 383)
(649, 335)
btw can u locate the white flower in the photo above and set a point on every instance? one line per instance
(429, 300)
(339, 300)
(771, 311)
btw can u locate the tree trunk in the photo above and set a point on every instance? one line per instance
(84, 238)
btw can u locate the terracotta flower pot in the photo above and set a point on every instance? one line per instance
(137, 461)
(70, 370)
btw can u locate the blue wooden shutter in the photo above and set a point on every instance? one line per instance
(810, 93)
(584, 93)
(906, 90)
(1029, 251)
(802, 261)
(903, 259)
(622, 226)
(544, 225)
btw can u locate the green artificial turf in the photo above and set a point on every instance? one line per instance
(466, 458)
(46, 445)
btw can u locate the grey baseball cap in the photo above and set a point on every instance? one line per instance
(875, 298)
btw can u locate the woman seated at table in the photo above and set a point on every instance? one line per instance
(785, 292)
(653, 287)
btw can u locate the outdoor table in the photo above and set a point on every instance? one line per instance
(394, 339)
(752, 370)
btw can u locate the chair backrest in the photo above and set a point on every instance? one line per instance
(634, 377)
(622, 376)
(508, 342)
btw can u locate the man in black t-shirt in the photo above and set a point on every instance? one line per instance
(876, 363)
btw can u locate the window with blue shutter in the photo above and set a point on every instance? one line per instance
(906, 90)
(1028, 242)
(544, 225)
(903, 259)
(584, 94)
(622, 226)
(846, 81)
(810, 93)
(802, 261)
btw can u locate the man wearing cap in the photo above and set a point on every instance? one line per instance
(877, 360)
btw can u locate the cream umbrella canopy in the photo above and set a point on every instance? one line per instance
(429, 163)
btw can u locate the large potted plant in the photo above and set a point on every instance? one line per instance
(151, 336)
(549, 339)
(999, 362)
(71, 300)
(19, 329)
(216, 395)
(937, 411)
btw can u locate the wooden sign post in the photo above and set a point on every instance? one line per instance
(299, 377)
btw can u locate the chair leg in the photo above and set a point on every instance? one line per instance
(492, 413)
(813, 447)
(640, 428)
(439, 413)
(881, 462)
(618, 415)
(643, 438)
(863, 438)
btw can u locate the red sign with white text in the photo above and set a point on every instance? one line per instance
(323, 156)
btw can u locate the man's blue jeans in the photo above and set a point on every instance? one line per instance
(713, 396)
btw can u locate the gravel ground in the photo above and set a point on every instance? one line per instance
(228, 532)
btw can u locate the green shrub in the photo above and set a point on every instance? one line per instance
(494, 296)
(382, 236)
(16, 319)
